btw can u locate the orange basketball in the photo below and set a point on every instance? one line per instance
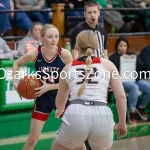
(27, 85)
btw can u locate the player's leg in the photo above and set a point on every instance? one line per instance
(57, 146)
(35, 131)
(39, 116)
(73, 130)
(101, 133)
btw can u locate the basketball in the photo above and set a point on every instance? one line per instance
(27, 85)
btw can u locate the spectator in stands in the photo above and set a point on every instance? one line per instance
(148, 2)
(31, 41)
(50, 2)
(72, 4)
(132, 88)
(4, 17)
(5, 51)
(42, 17)
(114, 18)
(20, 19)
(145, 57)
(142, 14)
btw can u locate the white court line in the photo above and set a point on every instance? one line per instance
(22, 139)
(48, 135)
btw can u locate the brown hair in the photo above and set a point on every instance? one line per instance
(90, 4)
(87, 42)
(31, 29)
(45, 28)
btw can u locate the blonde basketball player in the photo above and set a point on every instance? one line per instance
(49, 60)
(88, 116)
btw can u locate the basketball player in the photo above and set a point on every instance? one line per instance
(91, 13)
(88, 116)
(49, 60)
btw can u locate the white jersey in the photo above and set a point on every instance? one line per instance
(97, 87)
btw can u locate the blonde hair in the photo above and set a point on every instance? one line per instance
(45, 28)
(87, 42)
(31, 29)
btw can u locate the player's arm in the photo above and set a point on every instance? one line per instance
(29, 56)
(63, 92)
(105, 54)
(66, 56)
(75, 53)
(117, 87)
(121, 102)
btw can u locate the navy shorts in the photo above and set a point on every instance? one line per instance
(43, 106)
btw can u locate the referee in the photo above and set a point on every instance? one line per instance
(91, 13)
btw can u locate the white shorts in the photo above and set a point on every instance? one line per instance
(81, 122)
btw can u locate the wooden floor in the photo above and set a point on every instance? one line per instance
(138, 143)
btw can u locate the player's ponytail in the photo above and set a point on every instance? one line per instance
(87, 43)
(88, 70)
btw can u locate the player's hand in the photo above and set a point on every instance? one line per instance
(43, 89)
(121, 130)
(15, 84)
(58, 113)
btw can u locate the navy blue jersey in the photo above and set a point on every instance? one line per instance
(49, 69)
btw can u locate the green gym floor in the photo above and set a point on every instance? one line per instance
(133, 141)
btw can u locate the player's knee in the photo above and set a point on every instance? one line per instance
(32, 140)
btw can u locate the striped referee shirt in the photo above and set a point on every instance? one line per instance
(101, 35)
